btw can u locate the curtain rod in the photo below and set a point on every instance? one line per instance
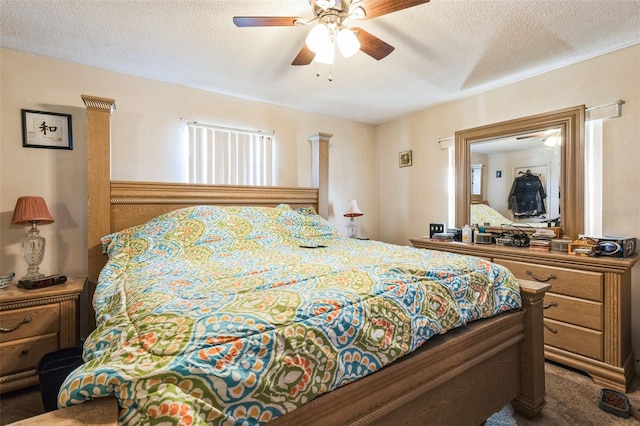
(617, 113)
(618, 102)
(446, 142)
(231, 129)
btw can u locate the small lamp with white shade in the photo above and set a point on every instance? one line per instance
(352, 212)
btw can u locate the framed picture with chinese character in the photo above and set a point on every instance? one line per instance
(42, 129)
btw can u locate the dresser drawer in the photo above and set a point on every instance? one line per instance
(28, 322)
(573, 338)
(569, 282)
(25, 354)
(585, 313)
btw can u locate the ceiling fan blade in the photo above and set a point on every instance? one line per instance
(375, 8)
(266, 21)
(372, 45)
(305, 56)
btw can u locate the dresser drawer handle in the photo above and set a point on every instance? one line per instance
(542, 280)
(15, 327)
(550, 305)
(25, 352)
(551, 329)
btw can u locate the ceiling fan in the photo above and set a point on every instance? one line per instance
(329, 30)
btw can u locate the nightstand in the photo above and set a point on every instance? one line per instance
(32, 324)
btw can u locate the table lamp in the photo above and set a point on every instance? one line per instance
(353, 212)
(32, 210)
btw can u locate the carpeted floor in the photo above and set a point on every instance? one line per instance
(572, 399)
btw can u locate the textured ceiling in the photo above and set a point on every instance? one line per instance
(444, 49)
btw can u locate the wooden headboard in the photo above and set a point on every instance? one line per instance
(116, 205)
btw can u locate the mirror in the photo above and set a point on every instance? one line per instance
(492, 162)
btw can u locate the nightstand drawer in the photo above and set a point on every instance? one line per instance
(25, 354)
(28, 322)
(573, 338)
(570, 282)
(585, 313)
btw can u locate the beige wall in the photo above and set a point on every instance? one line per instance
(398, 202)
(146, 140)
(411, 198)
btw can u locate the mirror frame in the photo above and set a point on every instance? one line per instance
(570, 121)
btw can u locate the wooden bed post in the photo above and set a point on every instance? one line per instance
(99, 187)
(320, 169)
(531, 398)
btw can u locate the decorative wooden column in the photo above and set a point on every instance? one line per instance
(99, 180)
(531, 398)
(320, 169)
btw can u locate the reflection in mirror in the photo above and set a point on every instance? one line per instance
(516, 180)
(523, 171)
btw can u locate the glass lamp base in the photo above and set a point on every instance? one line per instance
(33, 253)
(35, 274)
(352, 229)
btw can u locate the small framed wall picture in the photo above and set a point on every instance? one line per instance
(42, 129)
(405, 159)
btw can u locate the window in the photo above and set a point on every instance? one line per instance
(219, 155)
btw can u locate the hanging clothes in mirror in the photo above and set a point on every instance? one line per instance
(526, 198)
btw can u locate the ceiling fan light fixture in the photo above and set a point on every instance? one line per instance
(326, 54)
(325, 4)
(348, 43)
(318, 38)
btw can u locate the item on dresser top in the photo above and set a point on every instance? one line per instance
(540, 244)
(561, 244)
(541, 239)
(43, 282)
(435, 228)
(6, 280)
(613, 246)
(515, 238)
(544, 233)
(443, 236)
(484, 238)
(583, 247)
(467, 236)
(457, 233)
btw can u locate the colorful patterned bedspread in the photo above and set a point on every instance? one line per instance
(211, 315)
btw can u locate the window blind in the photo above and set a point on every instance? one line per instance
(220, 155)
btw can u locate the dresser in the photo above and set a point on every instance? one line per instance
(587, 311)
(32, 324)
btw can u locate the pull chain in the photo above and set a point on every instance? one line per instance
(330, 72)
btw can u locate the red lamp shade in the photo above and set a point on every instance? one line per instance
(353, 210)
(31, 209)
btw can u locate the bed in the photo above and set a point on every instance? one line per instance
(482, 213)
(420, 376)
